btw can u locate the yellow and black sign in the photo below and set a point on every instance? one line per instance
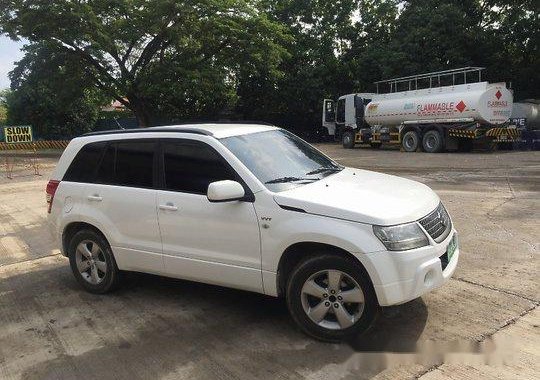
(20, 134)
(513, 133)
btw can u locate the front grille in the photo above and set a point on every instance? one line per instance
(437, 223)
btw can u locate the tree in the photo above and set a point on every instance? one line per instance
(416, 36)
(53, 94)
(3, 106)
(126, 45)
(371, 43)
(313, 69)
(432, 35)
(273, 60)
(511, 34)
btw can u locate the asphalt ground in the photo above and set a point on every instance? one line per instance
(483, 324)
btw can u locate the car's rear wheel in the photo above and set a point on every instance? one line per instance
(92, 262)
(331, 298)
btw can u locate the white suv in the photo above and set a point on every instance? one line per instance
(251, 207)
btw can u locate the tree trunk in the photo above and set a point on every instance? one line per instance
(139, 108)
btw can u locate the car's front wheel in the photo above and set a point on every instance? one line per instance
(331, 298)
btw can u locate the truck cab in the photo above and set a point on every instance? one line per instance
(345, 117)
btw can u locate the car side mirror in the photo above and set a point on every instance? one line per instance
(225, 191)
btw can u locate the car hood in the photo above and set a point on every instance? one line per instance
(363, 196)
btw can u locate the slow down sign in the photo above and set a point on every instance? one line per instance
(13, 135)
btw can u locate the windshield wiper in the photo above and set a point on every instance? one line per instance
(323, 169)
(290, 179)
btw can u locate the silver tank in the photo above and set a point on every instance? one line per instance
(486, 103)
(530, 110)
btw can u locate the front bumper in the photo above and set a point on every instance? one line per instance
(404, 276)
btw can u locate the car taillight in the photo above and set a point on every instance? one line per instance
(51, 189)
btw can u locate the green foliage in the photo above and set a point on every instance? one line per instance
(345, 46)
(3, 106)
(511, 32)
(431, 35)
(272, 60)
(156, 57)
(321, 35)
(53, 94)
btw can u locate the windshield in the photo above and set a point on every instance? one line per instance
(279, 159)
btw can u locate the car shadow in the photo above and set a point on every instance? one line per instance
(154, 325)
(396, 329)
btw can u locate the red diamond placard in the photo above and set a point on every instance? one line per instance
(498, 94)
(461, 106)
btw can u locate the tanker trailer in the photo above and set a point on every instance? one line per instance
(434, 118)
(526, 117)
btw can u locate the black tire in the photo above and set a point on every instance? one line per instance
(321, 263)
(375, 145)
(410, 141)
(322, 135)
(111, 277)
(348, 139)
(432, 142)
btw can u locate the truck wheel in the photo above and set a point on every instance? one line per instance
(331, 298)
(348, 139)
(410, 141)
(322, 134)
(432, 142)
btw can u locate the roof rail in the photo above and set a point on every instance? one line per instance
(179, 128)
(152, 129)
(226, 122)
(434, 78)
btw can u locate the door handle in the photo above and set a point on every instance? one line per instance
(95, 198)
(168, 207)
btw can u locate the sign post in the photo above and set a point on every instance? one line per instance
(14, 135)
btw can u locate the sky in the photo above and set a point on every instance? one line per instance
(10, 52)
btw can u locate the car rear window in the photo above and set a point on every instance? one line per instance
(84, 165)
(128, 163)
(135, 164)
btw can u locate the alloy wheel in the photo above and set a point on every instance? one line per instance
(332, 299)
(91, 262)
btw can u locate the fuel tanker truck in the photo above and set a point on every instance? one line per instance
(526, 117)
(433, 112)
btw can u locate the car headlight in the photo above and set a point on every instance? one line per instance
(401, 237)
